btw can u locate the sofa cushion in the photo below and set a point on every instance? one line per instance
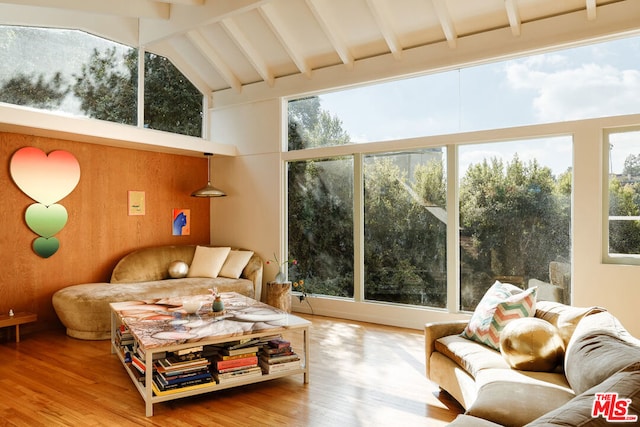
(599, 347)
(208, 261)
(234, 264)
(501, 303)
(563, 317)
(470, 355)
(514, 398)
(580, 410)
(150, 264)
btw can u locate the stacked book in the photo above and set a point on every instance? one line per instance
(236, 362)
(278, 356)
(181, 371)
(124, 338)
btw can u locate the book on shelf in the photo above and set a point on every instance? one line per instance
(172, 363)
(236, 356)
(242, 350)
(272, 360)
(275, 351)
(189, 350)
(179, 371)
(157, 355)
(182, 378)
(163, 392)
(291, 365)
(243, 374)
(279, 343)
(235, 363)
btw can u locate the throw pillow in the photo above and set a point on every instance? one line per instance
(207, 261)
(235, 263)
(531, 344)
(500, 304)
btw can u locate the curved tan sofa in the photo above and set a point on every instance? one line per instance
(141, 275)
(600, 357)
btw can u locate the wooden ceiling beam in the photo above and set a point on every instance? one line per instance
(380, 14)
(201, 43)
(279, 28)
(249, 51)
(446, 22)
(514, 16)
(333, 34)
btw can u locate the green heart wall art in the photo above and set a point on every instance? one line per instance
(47, 179)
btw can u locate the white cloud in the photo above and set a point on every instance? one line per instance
(566, 92)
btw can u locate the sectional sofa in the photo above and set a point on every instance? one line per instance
(600, 356)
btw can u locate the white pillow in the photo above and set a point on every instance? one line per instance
(207, 261)
(235, 263)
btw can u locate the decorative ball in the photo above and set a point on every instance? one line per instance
(531, 344)
(178, 269)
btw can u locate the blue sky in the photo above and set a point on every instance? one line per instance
(583, 82)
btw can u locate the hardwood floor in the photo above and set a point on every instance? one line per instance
(361, 375)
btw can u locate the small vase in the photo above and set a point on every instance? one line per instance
(218, 305)
(280, 277)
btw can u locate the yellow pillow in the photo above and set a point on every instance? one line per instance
(235, 263)
(207, 261)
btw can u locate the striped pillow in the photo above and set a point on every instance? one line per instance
(502, 303)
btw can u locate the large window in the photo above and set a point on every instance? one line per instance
(74, 73)
(585, 82)
(515, 217)
(405, 227)
(321, 225)
(623, 158)
(511, 200)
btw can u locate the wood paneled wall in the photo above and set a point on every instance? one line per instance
(99, 230)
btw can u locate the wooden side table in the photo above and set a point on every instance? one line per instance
(279, 295)
(16, 320)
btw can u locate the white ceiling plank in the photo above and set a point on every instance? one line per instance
(184, 19)
(332, 33)
(288, 42)
(184, 2)
(249, 51)
(446, 22)
(513, 15)
(380, 13)
(140, 9)
(591, 10)
(212, 56)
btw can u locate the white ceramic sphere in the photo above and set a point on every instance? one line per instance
(178, 269)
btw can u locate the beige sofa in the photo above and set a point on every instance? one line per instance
(600, 356)
(141, 275)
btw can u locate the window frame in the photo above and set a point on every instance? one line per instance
(607, 257)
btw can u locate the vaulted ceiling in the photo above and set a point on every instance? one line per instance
(240, 50)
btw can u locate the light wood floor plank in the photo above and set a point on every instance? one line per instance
(361, 375)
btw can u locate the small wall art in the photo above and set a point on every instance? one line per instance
(136, 203)
(181, 222)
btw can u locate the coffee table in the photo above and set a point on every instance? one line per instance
(162, 325)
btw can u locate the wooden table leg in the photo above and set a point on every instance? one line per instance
(17, 333)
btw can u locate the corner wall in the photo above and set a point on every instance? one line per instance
(249, 216)
(99, 230)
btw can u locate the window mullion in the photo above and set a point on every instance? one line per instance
(358, 228)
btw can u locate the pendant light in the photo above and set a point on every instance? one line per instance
(208, 190)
